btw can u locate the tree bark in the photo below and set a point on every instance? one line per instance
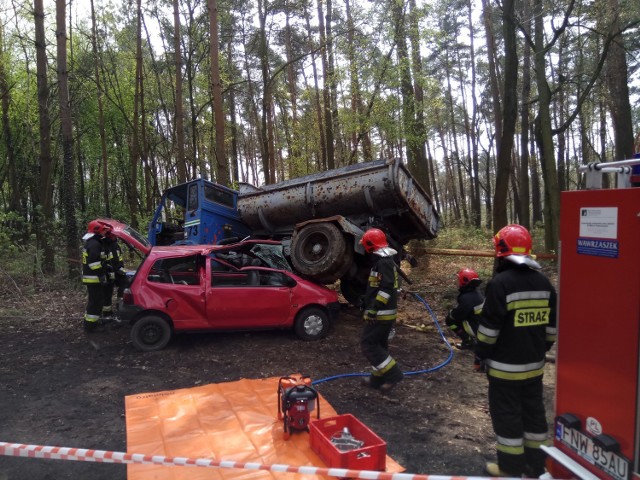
(43, 197)
(181, 167)
(68, 178)
(222, 166)
(509, 116)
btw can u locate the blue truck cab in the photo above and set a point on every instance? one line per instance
(197, 212)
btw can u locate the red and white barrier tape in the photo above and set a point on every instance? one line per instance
(103, 456)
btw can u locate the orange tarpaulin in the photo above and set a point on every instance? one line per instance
(236, 421)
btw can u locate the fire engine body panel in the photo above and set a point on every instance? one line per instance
(319, 217)
(598, 351)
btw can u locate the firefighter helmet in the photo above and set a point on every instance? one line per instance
(99, 227)
(373, 239)
(467, 276)
(512, 240)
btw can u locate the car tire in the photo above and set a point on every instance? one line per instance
(319, 249)
(151, 333)
(311, 324)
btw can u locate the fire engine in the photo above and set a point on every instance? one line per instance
(597, 405)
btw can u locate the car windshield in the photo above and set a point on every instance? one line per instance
(272, 255)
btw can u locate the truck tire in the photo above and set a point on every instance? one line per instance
(318, 250)
(312, 323)
(151, 333)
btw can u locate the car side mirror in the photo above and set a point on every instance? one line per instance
(289, 282)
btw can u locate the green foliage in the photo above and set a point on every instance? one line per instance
(463, 238)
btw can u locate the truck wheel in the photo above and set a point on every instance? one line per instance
(312, 324)
(150, 333)
(318, 249)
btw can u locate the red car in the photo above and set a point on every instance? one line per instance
(241, 286)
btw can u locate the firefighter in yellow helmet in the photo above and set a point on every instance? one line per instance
(380, 312)
(517, 327)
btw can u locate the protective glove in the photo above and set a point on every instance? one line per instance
(103, 280)
(480, 365)
(370, 316)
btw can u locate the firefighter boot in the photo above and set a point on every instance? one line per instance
(391, 379)
(373, 382)
(493, 469)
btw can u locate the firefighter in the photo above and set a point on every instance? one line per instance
(380, 312)
(463, 319)
(517, 327)
(94, 272)
(116, 274)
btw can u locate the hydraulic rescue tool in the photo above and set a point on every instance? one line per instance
(296, 400)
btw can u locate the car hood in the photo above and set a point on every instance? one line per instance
(128, 235)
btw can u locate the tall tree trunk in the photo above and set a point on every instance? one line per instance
(134, 159)
(420, 169)
(618, 83)
(181, 167)
(68, 179)
(12, 168)
(333, 86)
(494, 82)
(222, 166)
(509, 117)
(328, 123)
(544, 136)
(268, 149)
(406, 86)
(103, 138)
(318, 103)
(43, 197)
(523, 180)
(476, 214)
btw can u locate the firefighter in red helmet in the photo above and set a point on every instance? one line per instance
(517, 327)
(380, 312)
(94, 272)
(463, 319)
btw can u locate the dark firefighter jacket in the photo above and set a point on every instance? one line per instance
(466, 314)
(381, 297)
(93, 260)
(114, 259)
(518, 323)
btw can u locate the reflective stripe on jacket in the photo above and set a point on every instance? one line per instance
(518, 323)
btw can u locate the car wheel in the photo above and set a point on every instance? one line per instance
(150, 333)
(319, 249)
(312, 324)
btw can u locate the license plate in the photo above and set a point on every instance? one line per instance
(611, 463)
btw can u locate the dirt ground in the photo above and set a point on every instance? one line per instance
(62, 387)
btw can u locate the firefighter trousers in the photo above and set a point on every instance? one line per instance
(374, 344)
(520, 424)
(94, 305)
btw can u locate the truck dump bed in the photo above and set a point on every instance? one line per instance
(381, 189)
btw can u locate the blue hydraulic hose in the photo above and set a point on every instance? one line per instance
(427, 370)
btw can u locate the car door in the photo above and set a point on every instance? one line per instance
(246, 298)
(175, 285)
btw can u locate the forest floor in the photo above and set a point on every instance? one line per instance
(62, 387)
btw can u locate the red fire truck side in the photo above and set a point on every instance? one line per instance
(597, 425)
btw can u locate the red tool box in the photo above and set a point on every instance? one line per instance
(366, 451)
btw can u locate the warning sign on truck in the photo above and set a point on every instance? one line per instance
(598, 232)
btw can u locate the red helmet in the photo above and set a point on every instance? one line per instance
(512, 240)
(466, 276)
(99, 227)
(373, 239)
